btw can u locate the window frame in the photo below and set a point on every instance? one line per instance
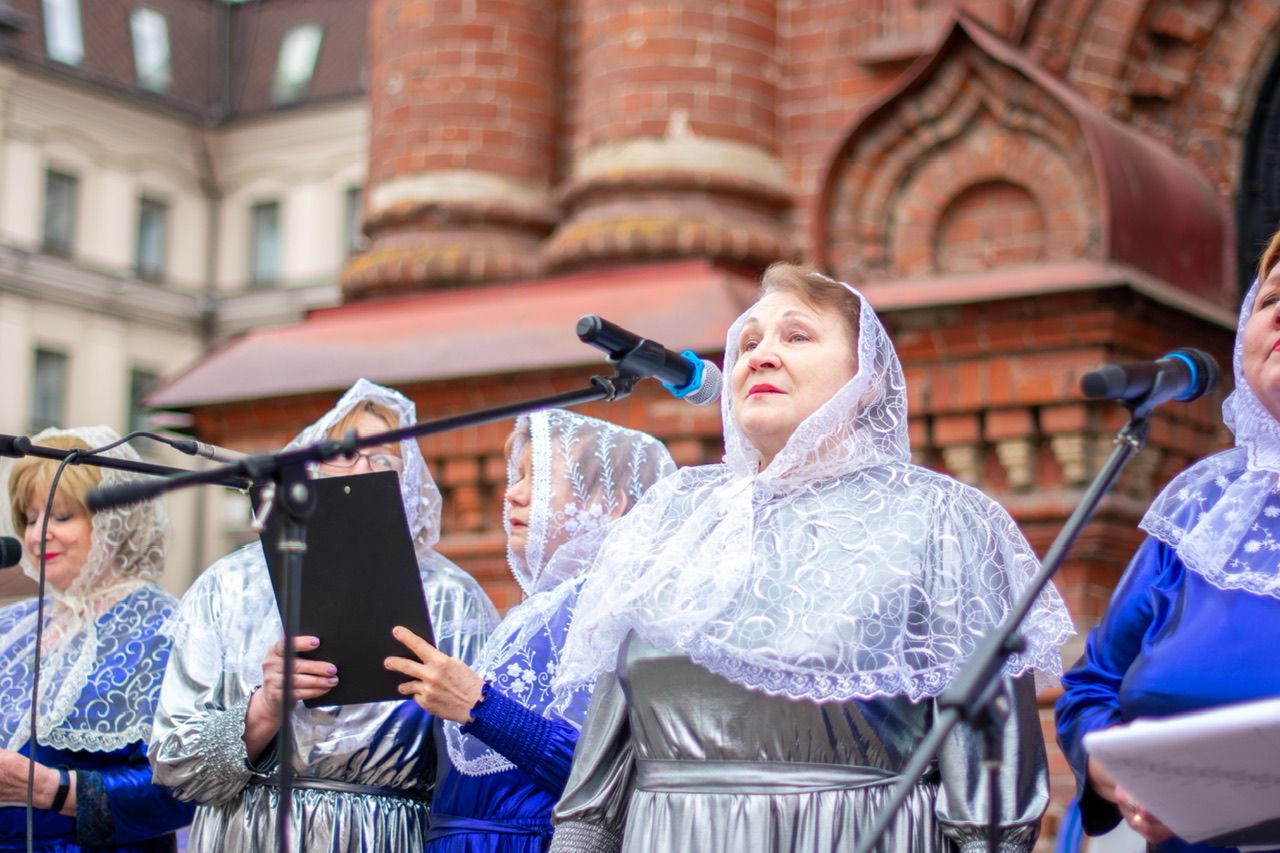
(53, 243)
(56, 417)
(300, 44)
(160, 270)
(256, 278)
(63, 24)
(158, 79)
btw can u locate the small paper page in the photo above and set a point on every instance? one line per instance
(1206, 775)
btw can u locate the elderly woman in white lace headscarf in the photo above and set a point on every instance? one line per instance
(1194, 622)
(363, 772)
(101, 661)
(505, 738)
(770, 633)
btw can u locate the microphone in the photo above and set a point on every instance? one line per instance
(684, 374)
(1183, 375)
(16, 446)
(191, 447)
(10, 552)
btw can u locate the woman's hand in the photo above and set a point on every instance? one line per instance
(1139, 819)
(13, 783)
(311, 678)
(443, 685)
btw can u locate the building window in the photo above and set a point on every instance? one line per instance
(59, 211)
(153, 232)
(296, 63)
(151, 49)
(63, 38)
(264, 243)
(352, 220)
(140, 382)
(49, 390)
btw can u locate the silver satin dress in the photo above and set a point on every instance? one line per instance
(364, 772)
(676, 758)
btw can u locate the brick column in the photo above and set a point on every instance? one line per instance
(675, 152)
(462, 99)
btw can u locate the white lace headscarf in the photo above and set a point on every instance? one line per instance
(841, 571)
(586, 473)
(1222, 515)
(99, 677)
(249, 615)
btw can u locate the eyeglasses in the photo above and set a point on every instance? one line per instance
(378, 460)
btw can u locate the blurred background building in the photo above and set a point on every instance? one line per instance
(251, 205)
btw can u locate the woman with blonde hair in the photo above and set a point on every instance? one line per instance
(102, 658)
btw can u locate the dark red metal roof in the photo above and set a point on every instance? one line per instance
(494, 329)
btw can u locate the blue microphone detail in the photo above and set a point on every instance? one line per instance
(695, 380)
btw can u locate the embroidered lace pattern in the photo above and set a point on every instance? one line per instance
(1221, 514)
(840, 571)
(585, 473)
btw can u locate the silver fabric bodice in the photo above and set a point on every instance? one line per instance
(674, 757)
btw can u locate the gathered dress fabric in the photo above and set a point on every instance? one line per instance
(363, 773)
(1195, 620)
(500, 775)
(102, 660)
(770, 641)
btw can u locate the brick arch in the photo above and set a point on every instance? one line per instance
(1040, 198)
(1016, 206)
(1113, 194)
(1212, 117)
(1109, 36)
(973, 123)
(1185, 71)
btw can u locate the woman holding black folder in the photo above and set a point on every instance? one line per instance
(1195, 621)
(363, 772)
(504, 738)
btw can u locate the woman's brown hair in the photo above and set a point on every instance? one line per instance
(815, 289)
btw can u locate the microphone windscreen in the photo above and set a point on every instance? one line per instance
(10, 552)
(709, 390)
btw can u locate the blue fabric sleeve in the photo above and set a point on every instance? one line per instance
(541, 747)
(1091, 689)
(120, 805)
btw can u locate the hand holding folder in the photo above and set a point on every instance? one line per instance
(360, 578)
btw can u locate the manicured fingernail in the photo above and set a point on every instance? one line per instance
(333, 680)
(386, 663)
(333, 670)
(313, 641)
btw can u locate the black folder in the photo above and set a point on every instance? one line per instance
(359, 580)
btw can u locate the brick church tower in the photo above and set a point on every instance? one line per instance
(1023, 188)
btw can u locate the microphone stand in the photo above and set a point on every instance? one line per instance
(286, 488)
(17, 446)
(975, 696)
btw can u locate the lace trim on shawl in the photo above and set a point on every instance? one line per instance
(1222, 515)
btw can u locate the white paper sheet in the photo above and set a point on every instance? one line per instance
(1203, 774)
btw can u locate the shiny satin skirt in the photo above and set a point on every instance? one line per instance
(724, 806)
(330, 821)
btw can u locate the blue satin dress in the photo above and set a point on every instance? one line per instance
(507, 812)
(117, 806)
(1170, 642)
